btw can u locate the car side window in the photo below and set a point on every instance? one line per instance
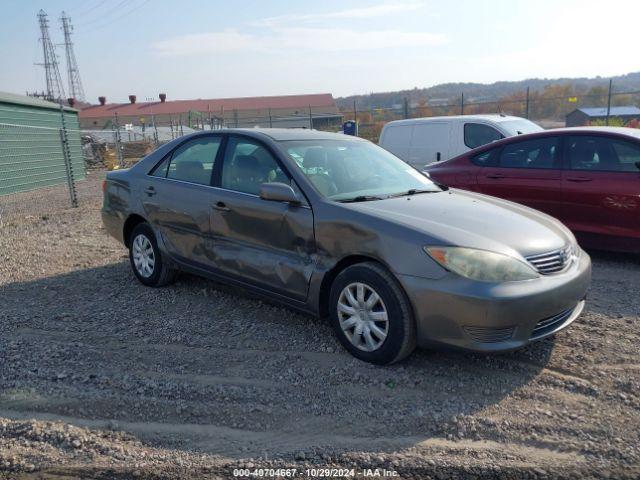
(160, 170)
(628, 155)
(603, 154)
(193, 161)
(485, 159)
(247, 165)
(538, 153)
(478, 134)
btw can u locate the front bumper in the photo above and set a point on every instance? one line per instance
(488, 317)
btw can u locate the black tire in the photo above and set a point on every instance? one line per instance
(162, 273)
(401, 335)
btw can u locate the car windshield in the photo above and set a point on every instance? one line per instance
(520, 127)
(345, 170)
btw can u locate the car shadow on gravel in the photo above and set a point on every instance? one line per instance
(203, 367)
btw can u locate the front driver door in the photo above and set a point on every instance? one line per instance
(268, 244)
(527, 172)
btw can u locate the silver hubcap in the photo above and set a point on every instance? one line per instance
(143, 257)
(363, 316)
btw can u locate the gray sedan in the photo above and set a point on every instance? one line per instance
(338, 227)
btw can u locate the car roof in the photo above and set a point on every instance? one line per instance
(633, 132)
(616, 131)
(495, 117)
(285, 134)
(279, 134)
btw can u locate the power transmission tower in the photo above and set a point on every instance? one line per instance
(55, 90)
(75, 84)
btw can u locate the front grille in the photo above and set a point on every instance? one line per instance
(547, 324)
(552, 262)
(489, 334)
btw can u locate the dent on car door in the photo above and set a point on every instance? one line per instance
(601, 186)
(527, 172)
(266, 243)
(177, 198)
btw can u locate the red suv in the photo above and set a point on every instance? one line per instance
(588, 177)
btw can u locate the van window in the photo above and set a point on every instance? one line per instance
(398, 135)
(478, 134)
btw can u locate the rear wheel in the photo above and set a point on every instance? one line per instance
(371, 314)
(146, 259)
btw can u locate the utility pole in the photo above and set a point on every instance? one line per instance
(609, 101)
(55, 90)
(462, 103)
(73, 74)
(526, 112)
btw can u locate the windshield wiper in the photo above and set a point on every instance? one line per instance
(361, 198)
(413, 191)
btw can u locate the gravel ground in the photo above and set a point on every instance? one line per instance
(101, 377)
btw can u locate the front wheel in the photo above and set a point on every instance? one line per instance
(146, 259)
(371, 314)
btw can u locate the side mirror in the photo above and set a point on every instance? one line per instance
(278, 192)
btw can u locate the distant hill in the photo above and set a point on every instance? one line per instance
(486, 92)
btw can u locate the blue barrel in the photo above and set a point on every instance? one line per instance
(350, 128)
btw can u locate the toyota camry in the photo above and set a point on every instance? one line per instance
(338, 227)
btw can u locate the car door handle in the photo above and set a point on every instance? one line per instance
(495, 175)
(578, 179)
(150, 191)
(221, 206)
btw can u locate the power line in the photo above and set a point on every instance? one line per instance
(85, 11)
(120, 17)
(108, 13)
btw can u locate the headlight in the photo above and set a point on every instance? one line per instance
(481, 265)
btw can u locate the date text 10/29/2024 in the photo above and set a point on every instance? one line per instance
(314, 473)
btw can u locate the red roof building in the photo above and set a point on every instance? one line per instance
(241, 112)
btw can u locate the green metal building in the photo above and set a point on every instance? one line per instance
(31, 147)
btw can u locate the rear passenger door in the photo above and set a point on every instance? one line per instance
(527, 172)
(177, 197)
(268, 244)
(601, 185)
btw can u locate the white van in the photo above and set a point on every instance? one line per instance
(421, 141)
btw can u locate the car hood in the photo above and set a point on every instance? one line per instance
(461, 218)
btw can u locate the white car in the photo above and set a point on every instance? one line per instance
(421, 141)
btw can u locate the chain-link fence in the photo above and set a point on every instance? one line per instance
(551, 108)
(39, 166)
